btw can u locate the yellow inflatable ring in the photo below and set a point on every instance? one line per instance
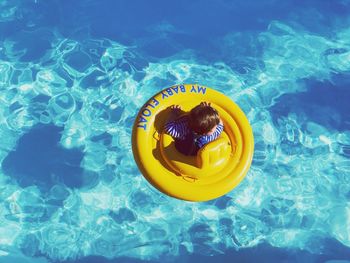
(218, 167)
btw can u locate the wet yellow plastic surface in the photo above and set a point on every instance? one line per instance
(218, 167)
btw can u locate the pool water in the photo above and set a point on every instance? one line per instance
(73, 75)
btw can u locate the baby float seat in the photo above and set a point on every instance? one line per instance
(217, 168)
(210, 159)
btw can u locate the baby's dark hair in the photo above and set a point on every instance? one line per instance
(203, 118)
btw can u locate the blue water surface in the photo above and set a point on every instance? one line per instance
(73, 75)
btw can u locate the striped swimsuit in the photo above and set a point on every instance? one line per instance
(179, 130)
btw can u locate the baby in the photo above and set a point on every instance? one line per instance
(195, 129)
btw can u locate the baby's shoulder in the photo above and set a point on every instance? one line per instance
(182, 119)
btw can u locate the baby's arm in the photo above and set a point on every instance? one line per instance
(218, 131)
(172, 129)
(203, 140)
(175, 111)
(175, 128)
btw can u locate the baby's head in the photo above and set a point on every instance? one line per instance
(203, 119)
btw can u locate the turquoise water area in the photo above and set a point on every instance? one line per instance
(73, 76)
